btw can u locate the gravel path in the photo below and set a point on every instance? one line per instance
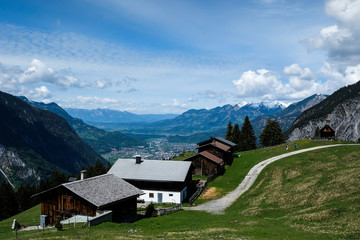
(218, 206)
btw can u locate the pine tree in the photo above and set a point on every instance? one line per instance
(272, 134)
(229, 131)
(236, 136)
(317, 133)
(8, 201)
(248, 141)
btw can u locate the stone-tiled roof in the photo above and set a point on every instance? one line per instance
(101, 190)
(151, 170)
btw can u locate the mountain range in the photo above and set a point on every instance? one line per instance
(100, 140)
(285, 116)
(202, 120)
(34, 142)
(113, 116)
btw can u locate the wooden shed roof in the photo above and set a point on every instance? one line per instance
(208, 156)
(218, 139)
(100, 190)
(218, 145)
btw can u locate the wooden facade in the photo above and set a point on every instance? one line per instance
(327, 132)
(220, 150)
(206, 164)
(89, 196)
(66, 204)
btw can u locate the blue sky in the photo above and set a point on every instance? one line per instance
(165, 56)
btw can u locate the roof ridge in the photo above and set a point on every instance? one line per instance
(86, 179)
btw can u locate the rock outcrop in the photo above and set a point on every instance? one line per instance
(341, 111)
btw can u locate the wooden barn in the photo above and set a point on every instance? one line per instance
(206, 164)
(219, 147)
(90, 197)
(162, 181)
(327, 132)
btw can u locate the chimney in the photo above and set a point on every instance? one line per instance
(138, 159)
(82, 174)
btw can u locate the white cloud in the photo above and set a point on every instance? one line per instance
(42, 92)
(175, 103)
(299, 78)
(103, 83)
(257, 84)
(37, 72)
(341, 40)
(94, 100)
(337, 79)
(346, 11)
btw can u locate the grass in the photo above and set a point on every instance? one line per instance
(237, 171)
(314, 195)
(183, 156)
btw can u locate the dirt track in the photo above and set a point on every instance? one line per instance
(218, 206)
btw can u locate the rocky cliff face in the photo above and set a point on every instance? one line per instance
(14, 168)
(344, 119)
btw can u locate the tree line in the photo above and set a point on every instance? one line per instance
(13, 201)
(245, 138)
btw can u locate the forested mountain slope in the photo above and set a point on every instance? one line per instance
(100, 140)
(34, 142)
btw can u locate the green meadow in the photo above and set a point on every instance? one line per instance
(313, 195)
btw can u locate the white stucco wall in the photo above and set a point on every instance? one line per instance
(167, 196)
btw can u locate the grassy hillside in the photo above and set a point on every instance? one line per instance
(313, 195)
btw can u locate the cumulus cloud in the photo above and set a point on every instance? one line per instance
(34, 81)
(295, 83)
(257, 84)
(37, 73)
(337, 79)
(341, 40)
(299, 78)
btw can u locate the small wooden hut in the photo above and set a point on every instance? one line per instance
(219, 147)
(327, 133)
(206, 163)
(89, 197)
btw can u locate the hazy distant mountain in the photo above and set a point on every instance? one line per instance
(203, 120)
(100, 140)
(284, 116)
(287, 116)
(112, 116)
(34, 142)
(341, 111)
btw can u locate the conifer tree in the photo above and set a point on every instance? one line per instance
(317, 133)
(229, 131)
(248, 141)
(272, 134)
(236, 136)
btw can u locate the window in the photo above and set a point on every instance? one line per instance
(151, 195)
(170, 195)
